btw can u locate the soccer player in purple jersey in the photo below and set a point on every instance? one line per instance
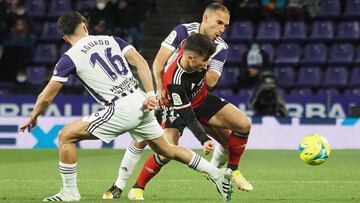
(102, 65)
(215, 20)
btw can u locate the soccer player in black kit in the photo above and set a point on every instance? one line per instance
(184, 82)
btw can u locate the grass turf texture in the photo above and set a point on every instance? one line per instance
(278, 176)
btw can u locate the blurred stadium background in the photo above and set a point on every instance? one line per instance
(314, 54)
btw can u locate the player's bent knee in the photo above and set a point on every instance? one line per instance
(244, 131)
(247, 125)
(66, 135)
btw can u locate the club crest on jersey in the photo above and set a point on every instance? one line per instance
(170, 39)
(176, 99)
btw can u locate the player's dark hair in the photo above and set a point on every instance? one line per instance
(217, 6)
(68, 23)
(200, 44)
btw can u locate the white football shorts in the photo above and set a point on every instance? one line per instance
(124, 115)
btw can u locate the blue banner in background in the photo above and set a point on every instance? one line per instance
(306, 107)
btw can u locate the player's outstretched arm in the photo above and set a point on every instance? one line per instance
(211, 78)
(158, 68)
(43, 101)
(135, 59)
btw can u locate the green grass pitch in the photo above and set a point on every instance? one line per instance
(278, 176)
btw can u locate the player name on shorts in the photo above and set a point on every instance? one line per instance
(125, 86)
(89, 45)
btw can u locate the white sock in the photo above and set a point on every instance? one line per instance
(202, 165)
(219, 157)
(130, 159)
(68, 175)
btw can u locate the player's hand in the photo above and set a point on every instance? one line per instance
(164, 99)
(29, 124)
(208, 146)
(150, 104)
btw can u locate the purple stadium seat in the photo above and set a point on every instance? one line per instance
(242, 31)
(328, 92)
(303, 92)
(269, 31)
(50, 32)
(349, 30)
(355, 77)
(281, 92)
(357, 57)
(224, 92)
(322, 31)
(236, 53)
(352, 92)
(269, 49)
(294, 31)
(5, 88)
(352, 9)
(329, 9)
(229, 77)
(225, 34)
(314, 54)
(35, 8)
(245, 92)
(309, 77)
(65, 47)
(284, 76)
(288, 54)
(341, 54)
(45, 53)
(335, 77)
(36, 75)
(85, 6)
(59, 7)
(4, 92)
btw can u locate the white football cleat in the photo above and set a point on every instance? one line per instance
(65, 196)
(223, 183)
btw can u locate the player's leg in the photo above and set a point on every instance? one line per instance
(220, 154)
(128, 163)
(127, 166)
(174, 127)
(153, 166)
(68, 137)
(221, 178)
(232, 118)
(150, 131)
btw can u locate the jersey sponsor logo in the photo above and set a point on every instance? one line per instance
(125, 85)
(170, 39)
(176, 99)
